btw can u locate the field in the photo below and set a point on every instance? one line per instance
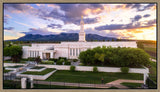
(90, 77)
(150, 47)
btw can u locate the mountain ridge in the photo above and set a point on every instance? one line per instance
(63, 37)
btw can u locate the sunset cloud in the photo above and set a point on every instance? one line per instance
(128, 20)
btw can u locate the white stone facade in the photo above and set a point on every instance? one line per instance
(69, 50)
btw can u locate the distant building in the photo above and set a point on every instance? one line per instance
(69, 50)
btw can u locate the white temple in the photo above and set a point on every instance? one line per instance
(69, 50)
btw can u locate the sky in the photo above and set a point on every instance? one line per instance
(123, 21)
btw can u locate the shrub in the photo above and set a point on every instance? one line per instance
(95, 69)
(31, 59)
(72, 68)
(67, 62)
(124, 69)
(63, 58)
(47, 62)
(24, 59)
(59, 62)
(75, 60)
(53, 59)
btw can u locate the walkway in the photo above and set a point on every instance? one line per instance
(118, 82)
(115, 83)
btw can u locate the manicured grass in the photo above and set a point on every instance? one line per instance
(6, 71)
(16, 66)
(90, 77)
(132, 85)
(40, 73)
(37, 67)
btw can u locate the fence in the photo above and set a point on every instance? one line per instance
(11, 84)
(72, 84)
(151, 84)
(79, 85)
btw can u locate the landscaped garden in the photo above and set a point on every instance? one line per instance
(90, 77)
(122, 57)
(48, 70)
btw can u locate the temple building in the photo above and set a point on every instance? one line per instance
(70, 50)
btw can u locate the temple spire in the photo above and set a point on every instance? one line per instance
(82, 33)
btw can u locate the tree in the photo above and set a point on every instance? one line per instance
(121, 56)
(14, 51)
(140, 45)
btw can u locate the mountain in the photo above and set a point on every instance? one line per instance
(63, 37)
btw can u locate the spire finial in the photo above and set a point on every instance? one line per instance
(81, 17)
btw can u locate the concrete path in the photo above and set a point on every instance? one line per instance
(115, 83)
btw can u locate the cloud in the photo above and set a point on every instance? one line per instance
(42, 31)
(70, 13)
(151, 22)
(90, 20)
(147, 15)
(137, 18)
(8, 28)
(140, 7)
(23, 24)
(17, 8)
(6, 17)
(55, 26)
(126, 26)
(14, 34)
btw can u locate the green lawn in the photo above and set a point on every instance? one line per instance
(90, 77)
(6, 71)
(153, 71)
(16, 66)
(37, 67)
(40, 73)
(132, 85)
